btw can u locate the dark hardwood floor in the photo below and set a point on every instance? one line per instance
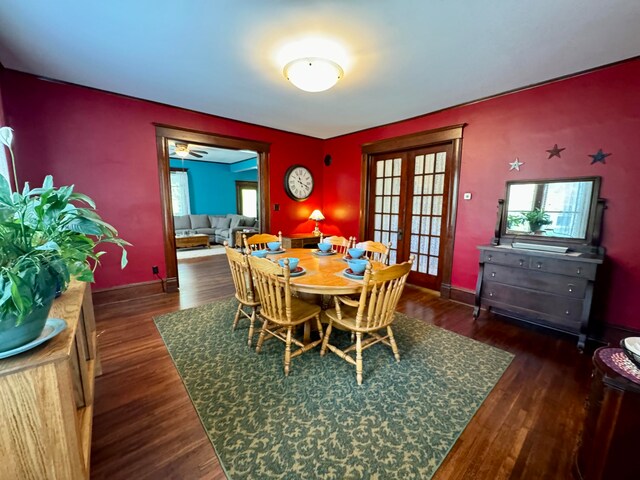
(145, 425)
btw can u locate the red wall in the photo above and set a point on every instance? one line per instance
(583, 114)
(105, 145)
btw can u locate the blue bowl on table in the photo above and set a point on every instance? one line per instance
(324, 247)
(260, 253)
(356, 252)
(358, 266)
(274, 246)
(293, 263)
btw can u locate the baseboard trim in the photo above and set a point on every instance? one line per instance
(123, 293)
(171, 285)
(463, 295)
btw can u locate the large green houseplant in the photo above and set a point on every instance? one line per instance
(47, 235)
(537, 219)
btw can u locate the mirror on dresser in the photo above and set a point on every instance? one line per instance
(542, 263)
(564, 212)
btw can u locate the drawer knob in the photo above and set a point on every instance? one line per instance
(579, 270)
(493, 274)
(567, 312)
(489, 257)
(570, 288)
(521, 262)
(539, 265)
(491, 294)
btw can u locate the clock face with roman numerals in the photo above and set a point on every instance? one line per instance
(298, 182)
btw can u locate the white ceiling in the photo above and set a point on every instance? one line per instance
(214, 154)
(401, 58)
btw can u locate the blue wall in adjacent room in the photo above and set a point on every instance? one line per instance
(212, 186)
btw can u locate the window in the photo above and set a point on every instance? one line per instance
(247, 198)
(180, 193)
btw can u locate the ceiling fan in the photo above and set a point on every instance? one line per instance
(183, 150)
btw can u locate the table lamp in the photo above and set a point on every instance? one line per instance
(318, 217)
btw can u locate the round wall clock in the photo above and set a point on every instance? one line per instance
(298, 182)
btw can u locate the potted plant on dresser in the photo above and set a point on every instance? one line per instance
(47, 235)
(537, 219)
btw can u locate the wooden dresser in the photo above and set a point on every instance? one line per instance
(46, 398)
(549, 289)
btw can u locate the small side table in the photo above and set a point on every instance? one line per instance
(238, 239)
(300, 240)
(611, 435)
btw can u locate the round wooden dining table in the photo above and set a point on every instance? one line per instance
(324, 274)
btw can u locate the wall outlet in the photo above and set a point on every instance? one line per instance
(155, 270)
(467, 196)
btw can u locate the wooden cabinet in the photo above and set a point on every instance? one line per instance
(549, 289)
(609, 440)
(300, 240)
(46, 397)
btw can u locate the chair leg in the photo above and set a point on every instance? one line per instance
(262, 335)
(235, 320)
(253, 319)
(287, 352)
(325, 340)
(394, 346)
(359, 357)
(319, 326)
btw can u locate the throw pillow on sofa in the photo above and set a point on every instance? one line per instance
(223, 222)
(182, 222)
(200, 221)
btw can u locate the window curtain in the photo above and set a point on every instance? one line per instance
(180, 193)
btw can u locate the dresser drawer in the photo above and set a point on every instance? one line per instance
(543, 281)
(564, 267)
(564, 308)
(504, 258)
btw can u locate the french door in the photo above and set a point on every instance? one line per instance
(408, 206)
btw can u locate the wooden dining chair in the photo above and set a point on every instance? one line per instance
(374, 311)
(243, 282)
(340, 244)
(375, 250)
(259, 241)
(281, 312)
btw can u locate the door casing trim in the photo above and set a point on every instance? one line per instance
(452, 135)
(165, 132)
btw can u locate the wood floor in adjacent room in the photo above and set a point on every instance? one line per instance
(145, 426)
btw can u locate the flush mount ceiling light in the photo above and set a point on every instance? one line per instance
(313, 74)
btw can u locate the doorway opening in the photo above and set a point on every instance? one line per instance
(409, 198)
(192, 206)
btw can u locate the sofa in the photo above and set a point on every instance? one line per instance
(220, 228)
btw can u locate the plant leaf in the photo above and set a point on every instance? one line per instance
(5, 191)
(50, 245)
(83, 198)
(83, 225)
(123, 259)
(6, 136)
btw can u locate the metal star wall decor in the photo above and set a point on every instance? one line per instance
(555, 151)
(599, 157)
(515, 165)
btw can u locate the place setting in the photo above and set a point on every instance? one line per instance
(274, 248)
(356, 268)
(295, 270)
(323, 250)
(353, 254)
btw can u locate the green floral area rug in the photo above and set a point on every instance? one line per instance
(318, 423)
